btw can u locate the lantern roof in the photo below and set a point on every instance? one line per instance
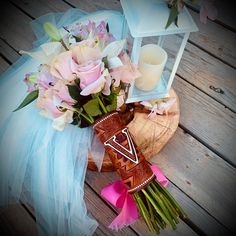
(149, 17)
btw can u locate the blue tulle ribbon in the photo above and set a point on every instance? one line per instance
(39, 165)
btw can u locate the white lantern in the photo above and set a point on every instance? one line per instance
(148, 18)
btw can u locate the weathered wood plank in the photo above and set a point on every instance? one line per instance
(202, 175)
(215, 39)
(98, 180)
(225, 11)
(98, 209)
(12, 31)
(206, 73)
(15, 221)
(90, 6)
(210, 121)
(3, 65)
(102, 213)
(8, 52)
(38, 8)
(196, 214)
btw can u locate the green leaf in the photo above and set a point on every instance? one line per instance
(52, 31)
(173, 15)
(112, 98)
(74, 91)
(28, 99)
(92, 107)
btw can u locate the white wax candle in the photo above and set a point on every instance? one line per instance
(152, 60)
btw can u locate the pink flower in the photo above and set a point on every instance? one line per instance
(91, 31)
(102, 83)
(31, 81)
(55, 100)
(89, 72)
(63, 66)
(159, 106)
(126, 73)
(85, 51)
(46, 79)
(61, 91)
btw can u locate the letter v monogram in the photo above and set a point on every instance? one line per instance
(128, 153)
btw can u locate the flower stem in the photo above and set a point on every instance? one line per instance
(154, 222)
(172, 200)
(64, 45)
(144, 212)
(162, 205)
(102, 105)
(156, 207)
(85, 117)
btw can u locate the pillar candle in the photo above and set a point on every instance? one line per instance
(152, 60)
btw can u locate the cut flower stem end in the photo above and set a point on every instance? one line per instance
(158, 207)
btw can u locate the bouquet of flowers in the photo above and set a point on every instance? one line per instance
(84, 84)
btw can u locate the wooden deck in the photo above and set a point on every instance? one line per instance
(199, 160)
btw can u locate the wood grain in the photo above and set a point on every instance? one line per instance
(202, 175)
(3, 65)
(215, 39)
(16, 31)
(150, 135)
(102, 213)
(37, 8)
(206, 73)
(210, 121)
(15, 221)
(9, 53)
(196, 214)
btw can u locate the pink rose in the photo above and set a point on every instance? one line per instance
(89, 72)
(86, 50)
(63, 66)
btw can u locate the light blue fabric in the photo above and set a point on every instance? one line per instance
(45, 167)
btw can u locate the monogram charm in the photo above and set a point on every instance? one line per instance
(130, 152)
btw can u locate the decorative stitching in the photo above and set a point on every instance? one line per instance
(137, 187)
(105, 118)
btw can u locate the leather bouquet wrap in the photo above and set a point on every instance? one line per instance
(157, 206)
(126, 157)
